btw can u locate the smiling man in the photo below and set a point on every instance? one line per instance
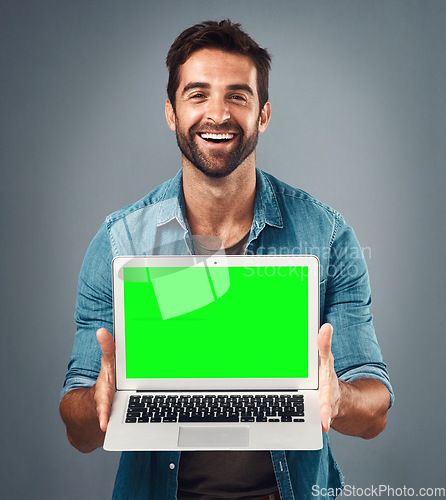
(213, 138)
(217, 106)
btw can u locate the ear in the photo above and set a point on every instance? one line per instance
(265, 115)
(170, 115)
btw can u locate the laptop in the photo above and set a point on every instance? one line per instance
(215, 353)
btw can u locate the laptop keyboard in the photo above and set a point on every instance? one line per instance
(216, 408)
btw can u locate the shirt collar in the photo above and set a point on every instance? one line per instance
(172, 203)
(266, 207)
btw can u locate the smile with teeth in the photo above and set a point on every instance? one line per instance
(216, 137)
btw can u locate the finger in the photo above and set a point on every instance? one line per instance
(103, 409)
(104, 398)
(324, 340)
(325, 405)
(107, 345)
(325, 397)
(324, 346)
(325, 416)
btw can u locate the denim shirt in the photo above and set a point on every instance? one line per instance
(286, 221)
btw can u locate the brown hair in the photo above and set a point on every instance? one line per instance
(223, 35)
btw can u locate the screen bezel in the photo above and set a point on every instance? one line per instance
(185, 384)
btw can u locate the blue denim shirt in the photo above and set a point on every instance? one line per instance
(286, 221)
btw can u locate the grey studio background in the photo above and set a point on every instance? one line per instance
(357, 93)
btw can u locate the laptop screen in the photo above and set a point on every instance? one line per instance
(223, 322)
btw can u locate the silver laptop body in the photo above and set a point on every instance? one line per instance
(215, 353)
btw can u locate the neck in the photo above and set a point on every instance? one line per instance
(221, 207)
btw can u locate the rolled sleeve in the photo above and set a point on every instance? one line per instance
(347, 304)
(377, 371)
(94, 310)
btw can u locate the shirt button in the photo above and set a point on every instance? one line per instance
(172, 466)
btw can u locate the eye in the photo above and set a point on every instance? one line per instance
(238, 97)
(197, 96)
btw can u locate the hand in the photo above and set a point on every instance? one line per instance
(105, 384)
(329, 388)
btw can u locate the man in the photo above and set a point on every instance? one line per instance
(217, 105)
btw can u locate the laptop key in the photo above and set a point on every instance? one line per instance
(169, 419)
(136, 405)
(198, 418)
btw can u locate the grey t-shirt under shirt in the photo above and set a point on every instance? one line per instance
(236, 475)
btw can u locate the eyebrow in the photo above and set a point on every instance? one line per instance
(195, 85)
(204, 85)
(241, 86)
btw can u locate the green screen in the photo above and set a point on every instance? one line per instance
(202, 322)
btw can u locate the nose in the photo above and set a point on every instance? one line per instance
(218, 110)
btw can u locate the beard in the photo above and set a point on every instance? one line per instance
(216, 163)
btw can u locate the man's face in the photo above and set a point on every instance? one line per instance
(217, 118)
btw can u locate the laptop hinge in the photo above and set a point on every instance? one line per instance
(216, 390)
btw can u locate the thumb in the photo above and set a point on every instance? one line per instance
(107, 345)
(324, 340)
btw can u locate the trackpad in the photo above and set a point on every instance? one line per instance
(213, 437)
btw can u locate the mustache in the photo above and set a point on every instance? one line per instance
(224, 128)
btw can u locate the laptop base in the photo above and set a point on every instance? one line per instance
(297, 434)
